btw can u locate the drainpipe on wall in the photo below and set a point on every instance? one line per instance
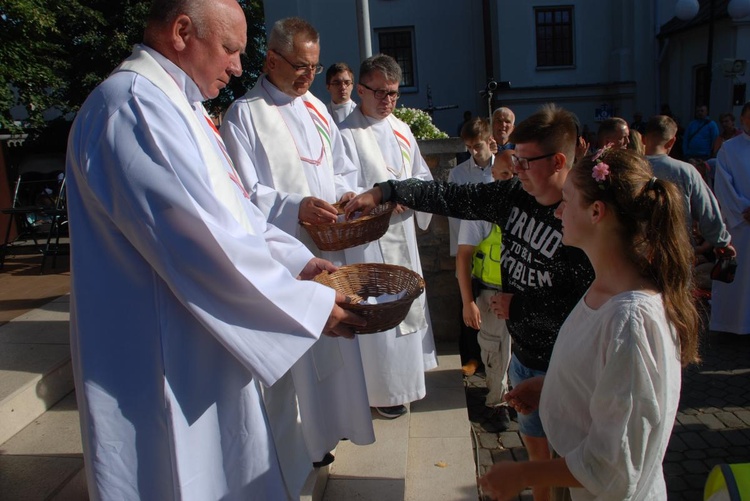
(363, 26)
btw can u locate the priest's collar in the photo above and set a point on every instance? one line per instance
(182, 79)
(279, 98)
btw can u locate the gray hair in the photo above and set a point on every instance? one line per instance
(498, 114)
(384, 64)
(283, 32)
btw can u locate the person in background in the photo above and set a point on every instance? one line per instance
(283, 141)
(477, 168)
(384, 147)
(185, 304)
(635, 142)
(700, 204)
(729, 311)
(467, 118)
(340, 82)
(479, 278)
(542, 279)
(700, 135)
(728, 131)
(613, 131)
(637, 319)
(503, 122)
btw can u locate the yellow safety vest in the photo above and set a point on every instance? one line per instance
(485, 264)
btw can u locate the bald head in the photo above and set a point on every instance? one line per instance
(204, 38)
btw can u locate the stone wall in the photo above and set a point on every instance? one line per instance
(438, 267)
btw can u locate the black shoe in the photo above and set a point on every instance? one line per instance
(500, 417)
(391, 412)
(327, 459)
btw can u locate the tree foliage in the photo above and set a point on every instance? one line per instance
(52, 54)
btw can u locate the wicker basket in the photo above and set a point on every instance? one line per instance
(338, 236)
(360, 281)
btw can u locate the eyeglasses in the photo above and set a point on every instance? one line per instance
(315, 69)
(380, 94)
(340, 83)
(523, 163)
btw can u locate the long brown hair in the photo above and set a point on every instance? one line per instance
(651, 213)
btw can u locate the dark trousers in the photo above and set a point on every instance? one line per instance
(468, 346)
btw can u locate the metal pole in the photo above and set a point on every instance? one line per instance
(710, 56)
(363, 26)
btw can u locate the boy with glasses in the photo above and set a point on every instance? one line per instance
(340, 82)
(542, 279)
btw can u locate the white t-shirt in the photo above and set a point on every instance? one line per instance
(610, 397)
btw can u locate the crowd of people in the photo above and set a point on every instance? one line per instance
(209, 365)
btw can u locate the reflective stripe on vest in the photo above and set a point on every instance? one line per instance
(485, 264)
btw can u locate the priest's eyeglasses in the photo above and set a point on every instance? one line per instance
(520, 163)
(380, 94)
(315, 69)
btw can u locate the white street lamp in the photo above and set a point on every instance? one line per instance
(739, 8)
(686, 9)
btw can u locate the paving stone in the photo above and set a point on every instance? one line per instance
(695, 454)
(520, 454)
(676, 443)
(485, 457)
(676, 483)
(673, 456)
(714, 438)
(489, 440)
(502, 455)
(711, 421)
(511, 440)
(693, 440)
(697, 482)
(744, 415)
(730, 420)
(688, 420)
(673, 469)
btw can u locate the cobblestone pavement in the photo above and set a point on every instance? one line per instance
(712, 426)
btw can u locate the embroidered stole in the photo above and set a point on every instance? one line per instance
(224, 182)
(276, 138)
(393, 245)
(288, 176)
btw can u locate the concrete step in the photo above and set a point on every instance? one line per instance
(35, 369)
(425, 455)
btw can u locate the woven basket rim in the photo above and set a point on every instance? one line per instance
(377, 211)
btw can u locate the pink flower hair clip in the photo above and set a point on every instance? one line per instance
(600, 173)
(601, 169)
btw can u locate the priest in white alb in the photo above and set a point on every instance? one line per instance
(185, 303)
(283, 141)
(384, 147)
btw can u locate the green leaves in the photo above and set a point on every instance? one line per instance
(53, 54)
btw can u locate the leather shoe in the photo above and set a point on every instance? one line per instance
(327, 459)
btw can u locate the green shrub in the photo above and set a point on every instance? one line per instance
(419, 122)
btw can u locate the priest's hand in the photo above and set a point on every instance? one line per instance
(341, 322)
(316, 211)
(500, 304)
(524, 397)
(315, 267)
(364, 202)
